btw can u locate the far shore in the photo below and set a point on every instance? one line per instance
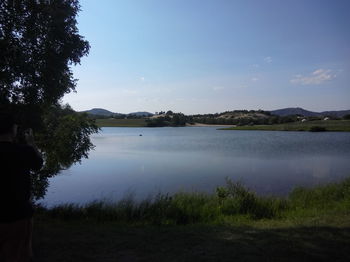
(142, 123)
(329, 125)
(200, 124)
(319, 125)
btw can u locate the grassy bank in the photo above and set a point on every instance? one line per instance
(231, 204)
(232, 224)
(111, 122)
(329, 125)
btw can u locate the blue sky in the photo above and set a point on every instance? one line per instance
(207, 56)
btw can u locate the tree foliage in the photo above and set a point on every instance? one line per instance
(168, 119)
(39, 43)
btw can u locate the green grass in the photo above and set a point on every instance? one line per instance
(234, 224)
(229, 204)
(329, 125)
(111, 122)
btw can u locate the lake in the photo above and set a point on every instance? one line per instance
(145, 161)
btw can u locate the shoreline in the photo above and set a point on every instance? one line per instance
(330, 125)
(232, 221)
(319, 125)
(200, 124)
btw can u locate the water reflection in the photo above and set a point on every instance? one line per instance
(199, 158)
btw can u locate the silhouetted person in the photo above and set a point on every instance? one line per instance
(16, 211)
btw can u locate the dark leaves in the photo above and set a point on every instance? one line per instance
(39, 42)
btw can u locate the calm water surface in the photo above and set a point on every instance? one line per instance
(199, 159)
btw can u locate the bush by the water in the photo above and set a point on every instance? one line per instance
(230, 202)
(317, 129)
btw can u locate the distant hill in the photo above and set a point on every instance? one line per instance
(233, 114)
(294, 111)
(303, 112)
(100, 112)
(104, 112)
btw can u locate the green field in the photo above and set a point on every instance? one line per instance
(234, 224)
(329, 125)
(111, 122)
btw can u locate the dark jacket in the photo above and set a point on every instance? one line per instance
(16, 162)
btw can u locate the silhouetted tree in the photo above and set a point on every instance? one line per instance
(39, 42)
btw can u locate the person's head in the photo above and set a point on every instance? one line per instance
(8, 125)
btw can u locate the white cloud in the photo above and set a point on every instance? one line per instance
(254, 79)
(317, 77)
(142, 78)
(268, 59)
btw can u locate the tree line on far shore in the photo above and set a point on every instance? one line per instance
(236, 117)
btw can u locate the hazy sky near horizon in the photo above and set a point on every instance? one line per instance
(207, 56)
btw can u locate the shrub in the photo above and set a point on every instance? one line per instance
(222, 192)
(317, 129)
(242, 201)
(346, 117)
